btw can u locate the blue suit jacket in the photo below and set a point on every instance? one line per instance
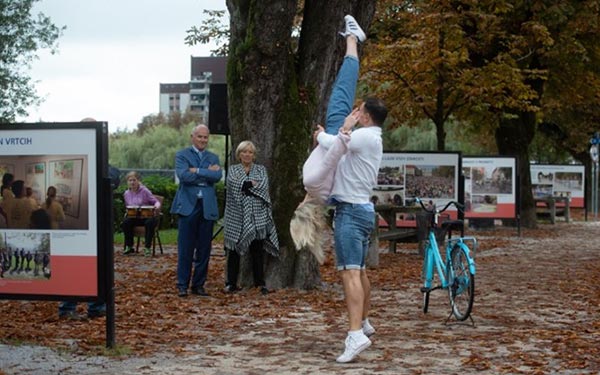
(190, 183)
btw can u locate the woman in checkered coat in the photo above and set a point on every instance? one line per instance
(249, 225)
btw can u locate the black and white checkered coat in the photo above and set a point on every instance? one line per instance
(249, 217)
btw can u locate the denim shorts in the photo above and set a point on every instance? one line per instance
(353, 226)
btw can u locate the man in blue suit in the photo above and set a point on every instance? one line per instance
(195, 202)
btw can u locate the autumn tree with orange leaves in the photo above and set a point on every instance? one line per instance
(500, 67)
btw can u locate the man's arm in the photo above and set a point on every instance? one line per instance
(328, 140)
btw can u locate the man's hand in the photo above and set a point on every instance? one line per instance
(350, 121)
(213, 167)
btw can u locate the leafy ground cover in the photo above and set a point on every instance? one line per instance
(536, 312)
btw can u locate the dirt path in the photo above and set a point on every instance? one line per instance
(536, 312)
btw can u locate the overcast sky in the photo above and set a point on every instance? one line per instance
(112, 57)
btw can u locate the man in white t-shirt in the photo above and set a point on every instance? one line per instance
(342, 170)
(354, 179)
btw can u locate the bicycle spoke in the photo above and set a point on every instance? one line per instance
(461, 288)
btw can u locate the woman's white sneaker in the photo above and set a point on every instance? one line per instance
(353, 28)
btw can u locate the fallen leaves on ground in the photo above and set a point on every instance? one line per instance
(536, 311)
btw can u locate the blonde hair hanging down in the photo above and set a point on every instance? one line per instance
(307, 227)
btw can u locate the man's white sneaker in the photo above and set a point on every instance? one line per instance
(368, 329)
(353, 28)
(353, 348)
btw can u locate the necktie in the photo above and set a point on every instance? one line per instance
(199, 154)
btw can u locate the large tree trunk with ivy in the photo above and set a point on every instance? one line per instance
(278, 85)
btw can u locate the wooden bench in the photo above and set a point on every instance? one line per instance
(398, 235)
(388, 229)
(548, 207)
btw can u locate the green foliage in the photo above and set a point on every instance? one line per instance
(544, 151)
(405, 138)
(215, 29)
(422, 137)
(156, 147)
(174, 119)
(21, 35)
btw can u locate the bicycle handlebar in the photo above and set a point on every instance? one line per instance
(458, 206)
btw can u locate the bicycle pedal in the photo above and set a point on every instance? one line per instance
(425, 290)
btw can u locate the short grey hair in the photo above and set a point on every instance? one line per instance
(245, 145)
(199, 126)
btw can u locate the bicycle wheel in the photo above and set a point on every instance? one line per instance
(461, 288)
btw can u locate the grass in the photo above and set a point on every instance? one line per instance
(168, 236)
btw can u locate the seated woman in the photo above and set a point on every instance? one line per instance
(136, 196)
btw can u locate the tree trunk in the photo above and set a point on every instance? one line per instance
(513, 138)
(276, 94)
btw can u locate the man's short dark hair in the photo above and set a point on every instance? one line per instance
(376, 109)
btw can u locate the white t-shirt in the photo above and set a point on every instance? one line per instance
(357, 170)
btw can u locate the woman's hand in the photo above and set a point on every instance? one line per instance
(319, 129)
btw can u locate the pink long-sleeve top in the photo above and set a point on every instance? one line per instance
(142, 197)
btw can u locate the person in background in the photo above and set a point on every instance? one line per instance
(31, 199)
(249, 225)
(138, 195)
(53, 208)
(7, 180)
(6, 195)
(195, 202)
(40, 219)
(18, 209)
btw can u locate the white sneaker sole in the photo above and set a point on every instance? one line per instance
(359, 350)
(358, 31)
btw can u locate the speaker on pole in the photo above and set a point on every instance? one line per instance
(218, 118)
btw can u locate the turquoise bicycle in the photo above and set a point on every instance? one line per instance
(457, 272)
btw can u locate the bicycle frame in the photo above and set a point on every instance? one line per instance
(433, 259)
(456, 272)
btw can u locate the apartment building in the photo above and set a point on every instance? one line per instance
(195, 94)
